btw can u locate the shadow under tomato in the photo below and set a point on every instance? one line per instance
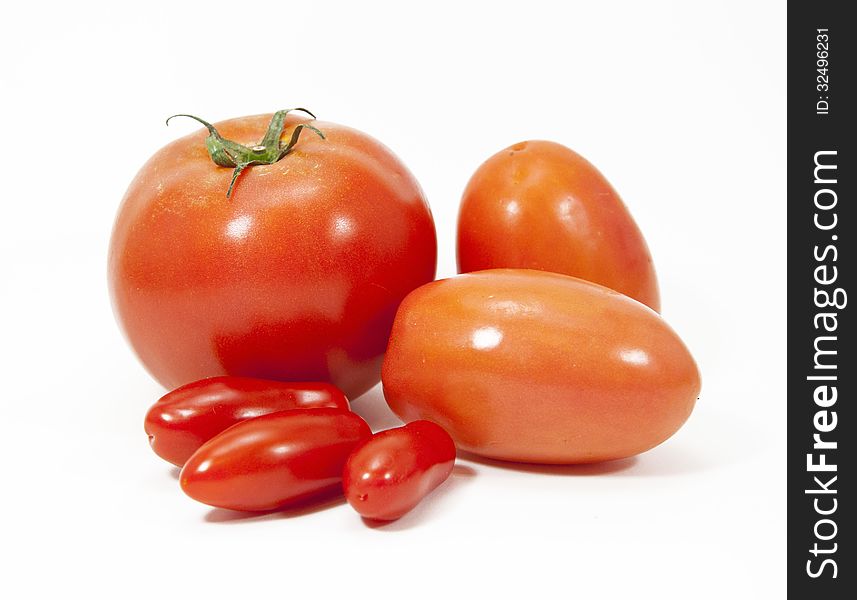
(461, 475)
(711, 439)
(587, 469)
(306, 506)
(372, 407)
(673, 460)
(175, 472)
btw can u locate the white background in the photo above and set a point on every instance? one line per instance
(681, 105)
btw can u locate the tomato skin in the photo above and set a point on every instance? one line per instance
(187, 417)
(390, 473)
(540, 205)
(296, 277)
(531, 366)
(274, 460)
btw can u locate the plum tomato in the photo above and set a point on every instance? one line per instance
(540, 205)
(184, 419)
(390, 473)
(272, 461)
(531, 366)
(296, 276)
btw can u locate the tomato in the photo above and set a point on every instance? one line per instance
(540, 205)
(274, 460)
(295, 277)
(390, 473)
(531, 366)
(183, 420)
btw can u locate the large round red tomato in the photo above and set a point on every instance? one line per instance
(296, 276)
(540, 205)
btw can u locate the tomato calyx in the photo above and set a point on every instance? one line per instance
(226, 153)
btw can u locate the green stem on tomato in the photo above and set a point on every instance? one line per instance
(226, 153)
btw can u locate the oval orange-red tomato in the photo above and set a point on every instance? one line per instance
(531, 366)
(540, 205)
(187, 417)
(274, 460)
(391, 472)
(296, 277)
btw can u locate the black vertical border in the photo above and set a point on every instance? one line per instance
(809, 133)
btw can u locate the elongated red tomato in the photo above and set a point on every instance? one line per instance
(274, 460)
(540, 205)
(389, 474)
(532, 366)
(183, 420)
